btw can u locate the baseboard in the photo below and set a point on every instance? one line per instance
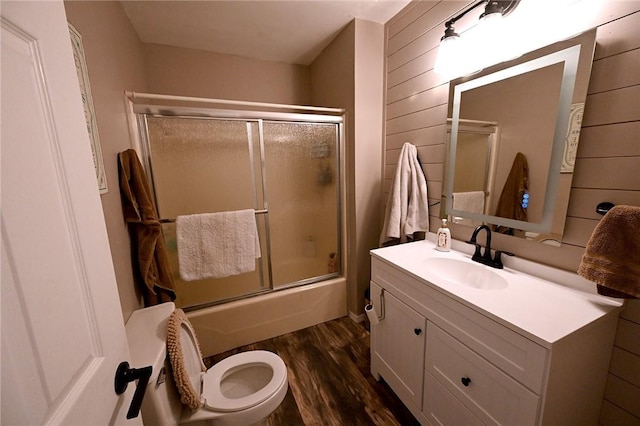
(357, 318)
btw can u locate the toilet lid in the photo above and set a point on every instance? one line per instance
(186, 359)
(191, 356)
(219, 395)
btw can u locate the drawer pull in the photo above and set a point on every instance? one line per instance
(417, 331)
(465, 381)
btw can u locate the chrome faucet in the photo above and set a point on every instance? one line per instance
(486, 258)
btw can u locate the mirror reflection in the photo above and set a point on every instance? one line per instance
(512, 139)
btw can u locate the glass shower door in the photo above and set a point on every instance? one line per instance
(206, 166)
(302, 175)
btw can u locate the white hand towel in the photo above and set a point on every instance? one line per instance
(216, 245)
(407, 207)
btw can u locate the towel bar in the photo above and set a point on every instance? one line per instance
(604, 207)
(173, 220)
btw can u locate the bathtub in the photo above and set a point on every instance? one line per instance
(230, 325)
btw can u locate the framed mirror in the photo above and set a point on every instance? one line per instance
(512, 137)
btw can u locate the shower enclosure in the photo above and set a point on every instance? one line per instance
(284, 165)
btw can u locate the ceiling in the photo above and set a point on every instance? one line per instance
(291, 31)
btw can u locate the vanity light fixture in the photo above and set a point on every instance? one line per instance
(482, 45)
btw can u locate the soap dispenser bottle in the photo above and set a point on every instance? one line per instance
(443, 242)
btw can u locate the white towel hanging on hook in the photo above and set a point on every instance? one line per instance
(407, 207)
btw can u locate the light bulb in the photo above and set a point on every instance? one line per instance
(448, 55)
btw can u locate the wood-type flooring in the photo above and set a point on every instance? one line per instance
(330, 382)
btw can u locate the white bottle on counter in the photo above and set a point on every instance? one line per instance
(443, 241)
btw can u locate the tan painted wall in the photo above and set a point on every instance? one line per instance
(606, 168)
(369, 78)
(114, 59)
(348, 74)
(190, 72)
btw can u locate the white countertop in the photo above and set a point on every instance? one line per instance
(545, 311)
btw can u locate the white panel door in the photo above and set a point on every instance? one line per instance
(62, 329)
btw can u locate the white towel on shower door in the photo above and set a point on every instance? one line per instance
(216, 245)
(472, 202)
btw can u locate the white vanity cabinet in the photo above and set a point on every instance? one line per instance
(452, 362)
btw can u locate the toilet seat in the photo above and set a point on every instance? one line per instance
(212, 388)
(237, 383)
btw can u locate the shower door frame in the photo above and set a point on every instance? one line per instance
(139, 112)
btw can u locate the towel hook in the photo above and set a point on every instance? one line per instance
(604, 207)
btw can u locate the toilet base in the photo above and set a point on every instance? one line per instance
(253, 414)
(262, 422)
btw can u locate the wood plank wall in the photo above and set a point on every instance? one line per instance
(607, 166)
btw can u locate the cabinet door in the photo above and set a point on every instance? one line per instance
(398, 342)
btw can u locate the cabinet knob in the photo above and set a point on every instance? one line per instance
(417, 331)
(465, 381)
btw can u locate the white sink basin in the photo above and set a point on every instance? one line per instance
(465, 273)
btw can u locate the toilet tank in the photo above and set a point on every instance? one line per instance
(147, 336)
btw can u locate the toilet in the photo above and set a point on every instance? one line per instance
(243, 389)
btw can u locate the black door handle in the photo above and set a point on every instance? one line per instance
(124, 375)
